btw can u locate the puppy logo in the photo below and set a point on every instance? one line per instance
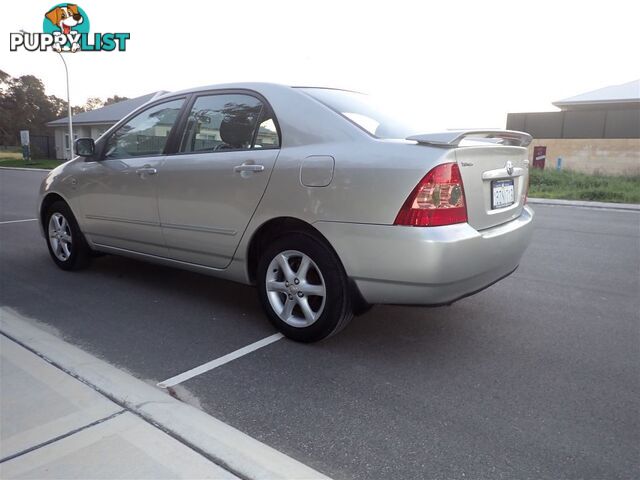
(65, 28)
(68, 20)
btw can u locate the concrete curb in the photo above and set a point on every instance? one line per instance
(577, 203)
(24, 169)
(224, 445)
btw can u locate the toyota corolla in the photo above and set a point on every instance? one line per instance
(324, 201)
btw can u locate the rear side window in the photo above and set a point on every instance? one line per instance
(267, 135)
(227, 122)
(372, 116)
(145, 134)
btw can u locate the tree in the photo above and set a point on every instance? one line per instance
(24, 105)
(114, 99)
(95, 102)
(4, 76)
(91, 104)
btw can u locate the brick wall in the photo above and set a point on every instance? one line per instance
(610, 156)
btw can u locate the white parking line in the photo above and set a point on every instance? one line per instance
(19, 221)
(171, 382)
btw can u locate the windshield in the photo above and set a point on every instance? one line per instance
(366, 112)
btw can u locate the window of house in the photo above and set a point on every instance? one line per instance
(66, 140)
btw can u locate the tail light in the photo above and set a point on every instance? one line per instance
(526, 191)
(437, 200)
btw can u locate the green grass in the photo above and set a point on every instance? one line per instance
(569, 185)
(15, 160)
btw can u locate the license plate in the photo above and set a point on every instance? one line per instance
(502, 193)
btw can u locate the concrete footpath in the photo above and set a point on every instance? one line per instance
(66, 414)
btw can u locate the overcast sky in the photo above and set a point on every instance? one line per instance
(462, 63)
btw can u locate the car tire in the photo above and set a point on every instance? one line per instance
(67, 245)
(310, 300)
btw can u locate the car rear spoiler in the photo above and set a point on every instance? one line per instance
(452, 138)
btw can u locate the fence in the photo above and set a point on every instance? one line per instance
(601, 123)
(42, 146)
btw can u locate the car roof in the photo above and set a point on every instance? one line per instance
(260, 87)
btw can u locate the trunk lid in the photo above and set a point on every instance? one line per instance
(481, 168)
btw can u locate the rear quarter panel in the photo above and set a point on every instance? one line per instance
(371, 181)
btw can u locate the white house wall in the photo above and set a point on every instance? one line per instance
(79, 131)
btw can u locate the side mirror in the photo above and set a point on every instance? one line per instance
(85, 147)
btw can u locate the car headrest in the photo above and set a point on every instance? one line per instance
(236, 132)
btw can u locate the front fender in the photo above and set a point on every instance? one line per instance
(59, 183)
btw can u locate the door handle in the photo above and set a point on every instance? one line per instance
(146, 170)
(248, 167)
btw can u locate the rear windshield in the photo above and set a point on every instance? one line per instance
(372, 116)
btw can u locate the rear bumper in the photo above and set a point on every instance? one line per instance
(427, 266)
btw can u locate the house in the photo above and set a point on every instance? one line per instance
(93, 123)
(596, 131)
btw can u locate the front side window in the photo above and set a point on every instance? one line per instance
(145, 134)
(228, 122)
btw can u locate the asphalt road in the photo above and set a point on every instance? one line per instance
(536, 377)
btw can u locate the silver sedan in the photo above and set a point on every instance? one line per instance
(319, 197)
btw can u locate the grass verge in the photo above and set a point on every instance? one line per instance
(11, 160)
(568, 185)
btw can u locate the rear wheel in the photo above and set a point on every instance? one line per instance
(67, 246)
(303, 288)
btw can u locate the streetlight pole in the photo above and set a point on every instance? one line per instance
(68, 107)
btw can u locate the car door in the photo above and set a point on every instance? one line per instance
(119, 191)
(209, 189)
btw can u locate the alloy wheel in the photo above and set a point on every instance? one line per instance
(60, 237)
(295, 288)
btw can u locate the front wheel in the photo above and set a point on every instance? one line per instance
(67, 246)
(303, 288)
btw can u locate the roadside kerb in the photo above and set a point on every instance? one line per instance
(226, 446)
(27, 169)
(585, 204)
